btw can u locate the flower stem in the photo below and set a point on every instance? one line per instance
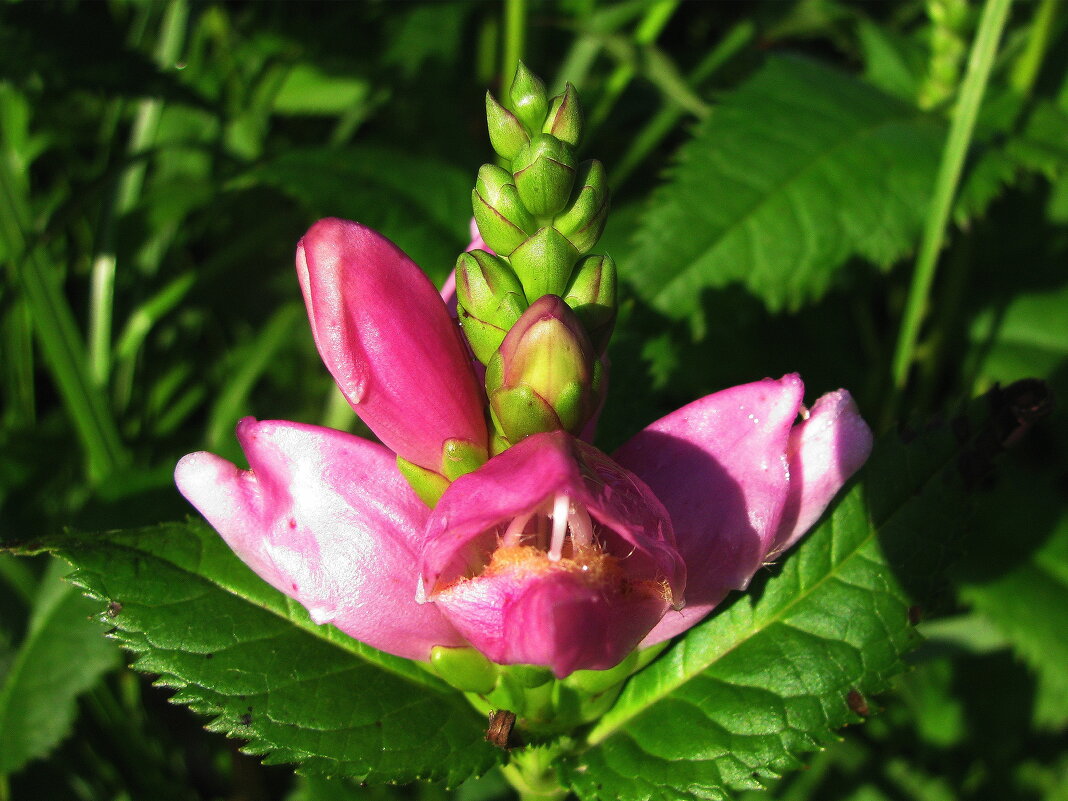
(515, 34)
(980, 61)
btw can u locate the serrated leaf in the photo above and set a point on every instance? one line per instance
(800, 169)
(735, 702)
(239, 651)
(61, 656)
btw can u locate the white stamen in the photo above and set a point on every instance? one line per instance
(581, 527)
(514, 534)
(420, 592)
(561, 504)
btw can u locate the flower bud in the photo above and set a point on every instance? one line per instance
(528, 98)
(501, 217)
(592, 296)
(545, 375)
(583, 220)
(460, 457)
(465, 669)
(429, 485)
(543, 263)
(544, 172)
(506, 132)
(489, 301)
(565, 117)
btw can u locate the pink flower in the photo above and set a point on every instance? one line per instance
(551, 553)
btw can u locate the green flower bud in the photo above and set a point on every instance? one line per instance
(543, 263)
(460, 457)
(545, 376)
(428, 485)
(583, 220)
(502, 218)
(592, 295)
(506, 132)
(464, 668)
(528, 98)
(544, 172)
(594, 682)
(565, 117)
(490, 300)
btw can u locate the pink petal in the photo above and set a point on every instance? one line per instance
(527, 609)
(823, 452)
(524, 477)
(448, 294)
(719, 466)
(326, 518)
(388, 340)
(557, 619)
(477, 242)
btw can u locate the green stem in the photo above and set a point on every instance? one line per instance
(593, 30)
(143, 133)
(665, 120)
(57, 333)
(258, 356)
(648, 29)
(980, 61)
(1025, 70)
(515, 34)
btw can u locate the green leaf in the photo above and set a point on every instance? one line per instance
(236, 649)
(1027, 604)
(306, 89)
(61, 656)
(1027, 336)
(734, 702)
(892, 62)
(421, 204)
(800, 169)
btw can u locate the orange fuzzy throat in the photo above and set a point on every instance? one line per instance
(595, 567)
(591, 563)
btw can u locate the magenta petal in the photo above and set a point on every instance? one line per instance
(326, 518)
(719, 466)
(555, 619)
(823, 452)
(386, 337)
(515, 604)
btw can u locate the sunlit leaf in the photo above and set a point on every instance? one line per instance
(800, 169)
(737, 700)
(240, 652)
